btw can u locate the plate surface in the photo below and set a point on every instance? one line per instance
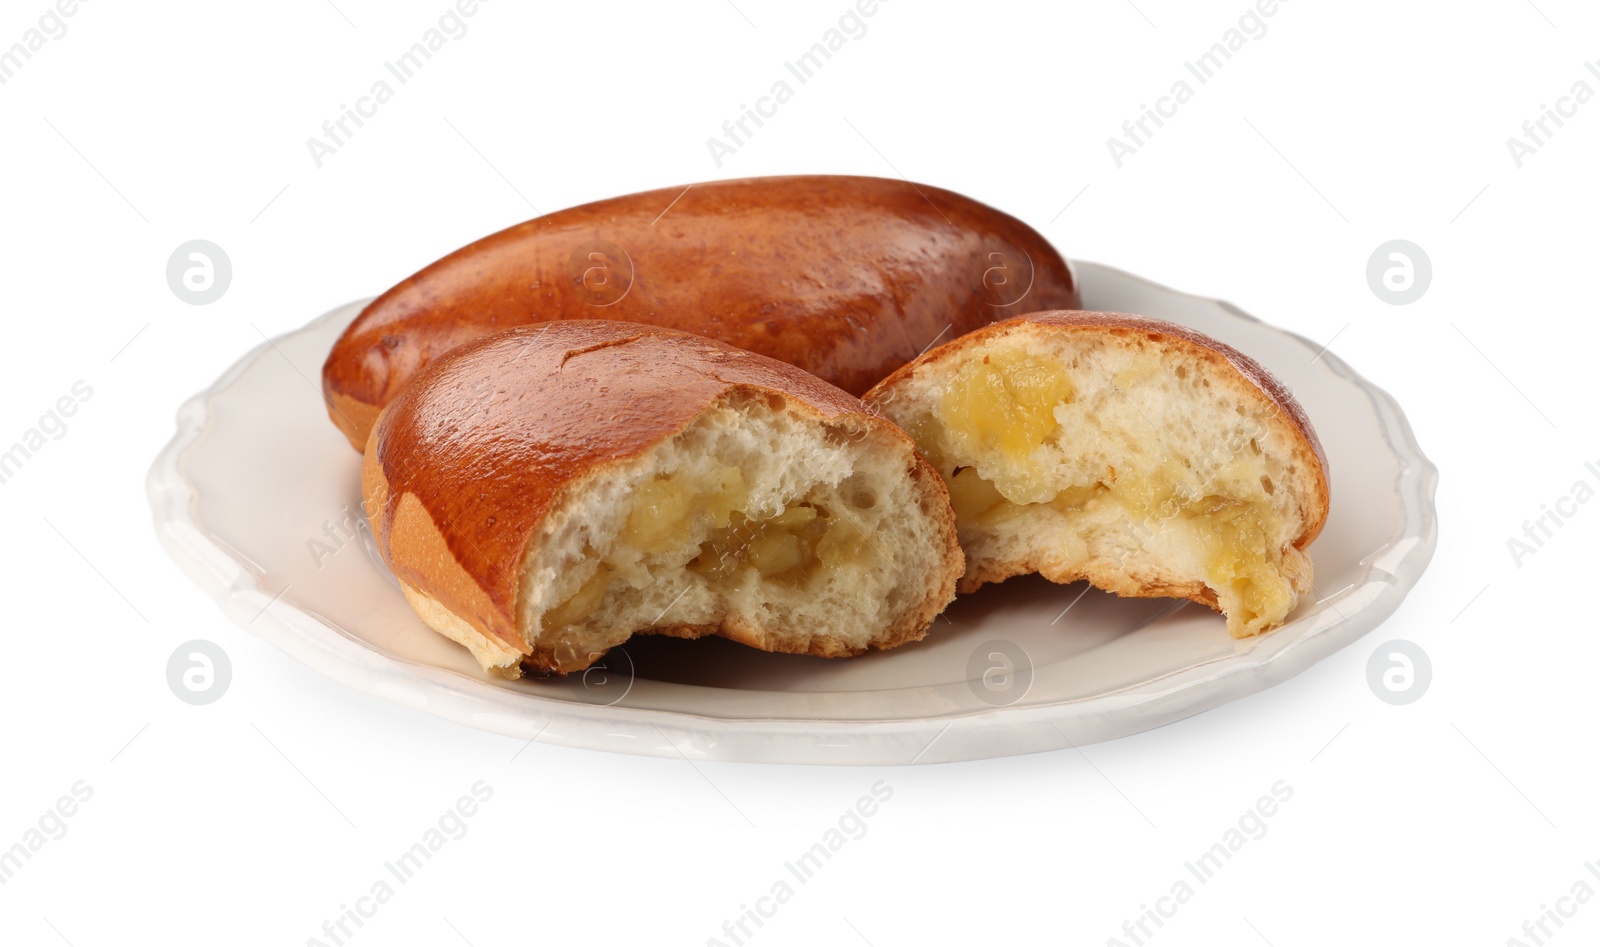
(257, 498)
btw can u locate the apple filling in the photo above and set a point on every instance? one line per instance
(1241, 565)
(1000, 410)
(700, 522)
(583, 601)
(789, 547)
(1238, 561)
(997, 412)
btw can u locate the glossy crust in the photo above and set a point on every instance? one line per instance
(1309, 450)
(464, 466)
(846, 277)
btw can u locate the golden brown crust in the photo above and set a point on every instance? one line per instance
(464, 466)
(353, 418)
(847, 277)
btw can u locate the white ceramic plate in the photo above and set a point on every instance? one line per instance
(244, 495)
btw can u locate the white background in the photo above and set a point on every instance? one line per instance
(1452, 820)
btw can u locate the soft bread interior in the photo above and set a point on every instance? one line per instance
(759, 522)
(1150, 468)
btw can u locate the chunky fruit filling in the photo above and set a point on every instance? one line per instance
(665, 509)
(999, 410)
(1240, 565)
(667, 512)
(582, 602)
(996, 412)
(971, 496)
(789, 547)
